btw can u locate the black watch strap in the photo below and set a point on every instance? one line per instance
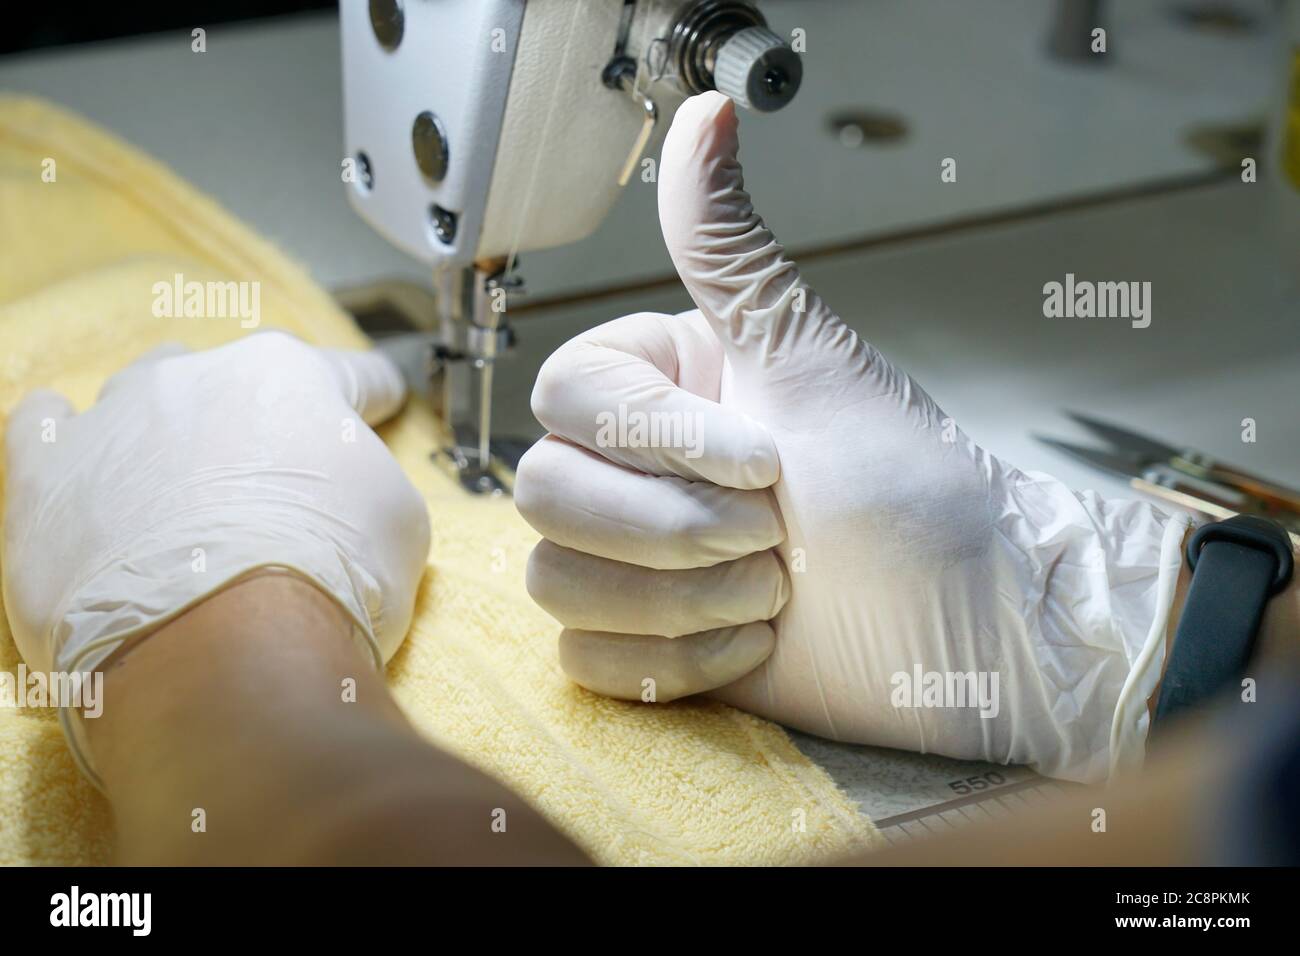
(1237, 565)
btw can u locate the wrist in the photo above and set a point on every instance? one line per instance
(1171, 627)
(154, 581)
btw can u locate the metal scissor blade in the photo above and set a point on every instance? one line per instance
(1129, 465)
(1124, 464)
(1147, 450)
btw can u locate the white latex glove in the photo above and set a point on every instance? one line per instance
(910, 550)
(192, 470)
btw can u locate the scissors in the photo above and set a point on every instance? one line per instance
(1183, 476)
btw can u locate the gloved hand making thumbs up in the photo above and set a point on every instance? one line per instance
(811, 539)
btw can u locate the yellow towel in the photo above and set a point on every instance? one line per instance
(681, 783)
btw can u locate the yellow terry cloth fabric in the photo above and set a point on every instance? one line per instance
(682, 783)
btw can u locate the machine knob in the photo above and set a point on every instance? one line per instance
(757, 69)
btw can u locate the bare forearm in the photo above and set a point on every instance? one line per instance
(1279, 633)
(228, 737)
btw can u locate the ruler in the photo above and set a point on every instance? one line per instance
(910, 795)
(998, 802)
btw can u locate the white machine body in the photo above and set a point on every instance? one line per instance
(535, 133)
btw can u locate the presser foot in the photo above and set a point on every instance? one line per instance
(495, 478)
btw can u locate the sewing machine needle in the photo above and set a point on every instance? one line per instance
(485, 415)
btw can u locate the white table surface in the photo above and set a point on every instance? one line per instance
(257, 122)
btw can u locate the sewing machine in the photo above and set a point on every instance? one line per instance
(1156, 210)
(479, 129)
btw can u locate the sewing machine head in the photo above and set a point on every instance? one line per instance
(479, 129)
(483, 128)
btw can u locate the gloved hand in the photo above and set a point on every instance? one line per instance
(192, 470)
(939, 600)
